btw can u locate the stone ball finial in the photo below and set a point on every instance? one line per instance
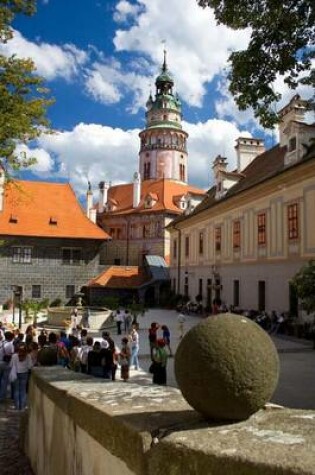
(227, 367)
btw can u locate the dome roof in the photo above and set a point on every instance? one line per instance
(164, 77)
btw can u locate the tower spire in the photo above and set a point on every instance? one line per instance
(164, 67)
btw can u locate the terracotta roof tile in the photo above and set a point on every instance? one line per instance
(119, 277)
(163, 190)
(264, 167)
(33, 208)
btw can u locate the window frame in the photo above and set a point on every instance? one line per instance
(68, 294)
(22, 254)
(187, 246)
(261, 229)
(293, 221)
(36, 295)
(218, 238)
(71, 261)
(236, 235)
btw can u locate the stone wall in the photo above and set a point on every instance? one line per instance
(46, 267)
(79, 425)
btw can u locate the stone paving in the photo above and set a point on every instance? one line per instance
(295, 389)
(12, 459)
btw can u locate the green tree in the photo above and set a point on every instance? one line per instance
(304, 284)
(282, 42)
(23, 99)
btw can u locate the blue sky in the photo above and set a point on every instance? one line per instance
(99, 59)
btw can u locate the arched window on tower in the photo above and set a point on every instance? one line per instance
(181, 172)
(147, 171)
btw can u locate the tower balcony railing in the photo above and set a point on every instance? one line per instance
(180, 148)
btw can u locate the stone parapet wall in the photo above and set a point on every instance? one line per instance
(87, 426)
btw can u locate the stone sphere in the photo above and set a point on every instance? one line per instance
(227, 367)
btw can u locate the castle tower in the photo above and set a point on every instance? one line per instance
(163, 152)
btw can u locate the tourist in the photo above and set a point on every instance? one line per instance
(127, 321)
(7, 350)
(104, 341)
(153, 337)
(20, 366)
(107, 355)
(74, 356)
(74, 322)
(48, 353)
(62, 353)
(83, 336)
(134, 338)
(181, 324)
(167, 338)
(94, 361)
(118, 319)
(124, 359)
(84, 351)
(159, 363)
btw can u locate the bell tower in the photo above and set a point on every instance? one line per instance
(163, 151)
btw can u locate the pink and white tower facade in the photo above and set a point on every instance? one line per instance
(163, 151)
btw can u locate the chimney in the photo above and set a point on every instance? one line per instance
(136, 189)
(247, 149)
(294, 111)
(2, 182)
(89, 200)
(103, 187)
(92, 215)
(219, 166)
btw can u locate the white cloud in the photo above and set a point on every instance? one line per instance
(206, 141)
(51, 61)
(94, 152)
(125, 11)
(198, 49)
(107, 83)
(44, 162)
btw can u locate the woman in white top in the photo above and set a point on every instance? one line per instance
(20, 364)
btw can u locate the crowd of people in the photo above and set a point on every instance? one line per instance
(77, 350)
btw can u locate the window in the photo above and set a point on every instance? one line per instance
(217, 238)
(293, 224)
(187, 246)
(182, 172)
(175, 248)
(70, 291)
(71, 256)
(22, 255)
(201, 243)
(261, 227)
(236, 293)
(36, 292)
(147, 171)
(236, 234)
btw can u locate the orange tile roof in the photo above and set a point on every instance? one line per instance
(164, 190)
(119, 277)
(42, 209)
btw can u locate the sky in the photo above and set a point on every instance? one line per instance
(100, 59)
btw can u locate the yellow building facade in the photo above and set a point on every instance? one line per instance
(256, 228)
